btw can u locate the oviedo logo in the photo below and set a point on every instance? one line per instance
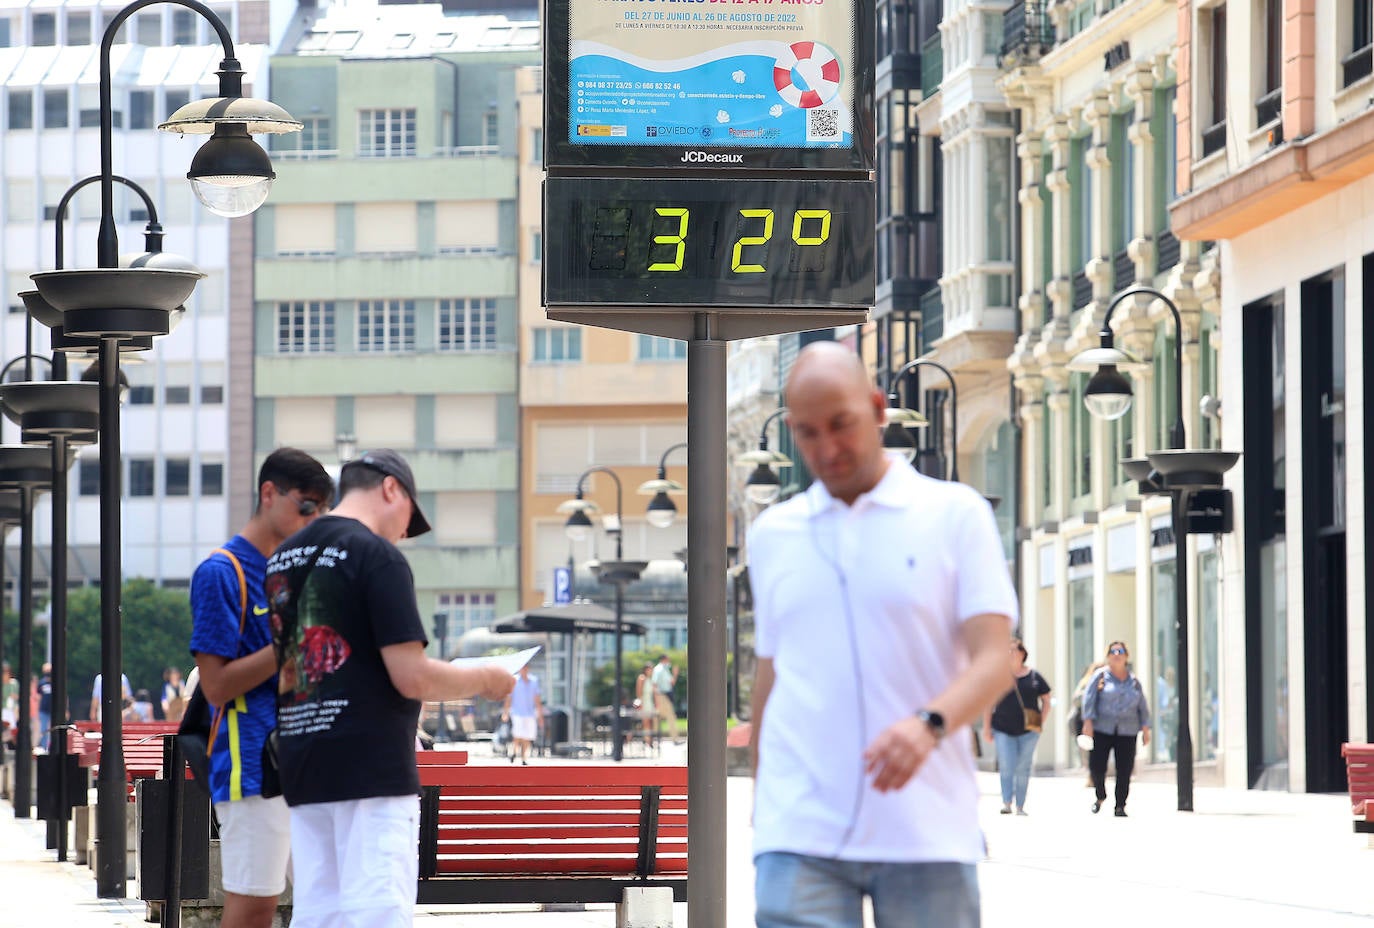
(699, 157)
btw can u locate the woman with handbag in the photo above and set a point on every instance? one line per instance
(1014, 726)
(1115, 711)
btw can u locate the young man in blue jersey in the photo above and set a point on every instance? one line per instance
(238, 675)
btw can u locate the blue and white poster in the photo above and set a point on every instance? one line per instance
(711, 73)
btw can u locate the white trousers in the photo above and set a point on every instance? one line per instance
(355, 863)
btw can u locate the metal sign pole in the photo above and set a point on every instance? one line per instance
(706, 710)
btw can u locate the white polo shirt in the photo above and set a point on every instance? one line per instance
(860, 609)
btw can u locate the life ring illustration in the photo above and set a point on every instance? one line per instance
(807, 74)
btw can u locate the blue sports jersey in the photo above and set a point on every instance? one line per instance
(236, 758)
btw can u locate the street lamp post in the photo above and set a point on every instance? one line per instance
(618, 572)
(231, 175)
(892, 400)
(662, 510)
(763, 486)
(1178, 472)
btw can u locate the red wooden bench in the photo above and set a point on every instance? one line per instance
(1359, 771)
(565, 834)
(141, 743)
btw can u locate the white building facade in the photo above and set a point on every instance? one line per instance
(178, 460)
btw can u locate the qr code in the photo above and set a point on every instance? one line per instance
(822, 125)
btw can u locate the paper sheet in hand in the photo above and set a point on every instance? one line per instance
(511, 663)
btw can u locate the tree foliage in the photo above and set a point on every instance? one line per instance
(155, 634)
(601, 686)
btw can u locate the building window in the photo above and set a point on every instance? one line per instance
(55, 108)
(141, 109)
(536, 247)
(1214, 135)
(490, 129)
(386, 133)
(211, 395)
(183, 27)
(1123, 181)
(44, 29)
(179, 395)
(1082, 189)
(466, 611)
(386, 325)
(658, 348)
(88, 481)
(176, 99)
(177, 477)
(212, 479)
(78, 28)
(142, 394)
(21, 109)
(317, 134)
(140, 476)
(305, 327)
(557, 344)
(536, 146)
(467, 325)
(148, 28)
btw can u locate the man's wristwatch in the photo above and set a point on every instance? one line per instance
(935, 720)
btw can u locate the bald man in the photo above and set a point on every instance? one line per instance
(883, 614)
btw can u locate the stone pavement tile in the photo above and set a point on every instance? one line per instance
(38, 892)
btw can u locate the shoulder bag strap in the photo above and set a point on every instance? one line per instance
(243, 619)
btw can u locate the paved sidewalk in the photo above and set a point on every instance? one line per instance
(1259, 859)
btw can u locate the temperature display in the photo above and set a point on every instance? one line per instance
(727, 242)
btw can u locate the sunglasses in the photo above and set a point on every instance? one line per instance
(1116, 651)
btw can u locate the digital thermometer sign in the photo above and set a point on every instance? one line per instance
(730, 242)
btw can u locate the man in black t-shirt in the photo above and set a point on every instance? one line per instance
(352, 674)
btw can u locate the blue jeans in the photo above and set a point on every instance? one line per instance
(44, 723)
(1014, 756)
(796, 891)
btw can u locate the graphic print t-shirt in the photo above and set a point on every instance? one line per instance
(343, 730)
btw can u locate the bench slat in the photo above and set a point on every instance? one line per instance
(553, 865)
(493, 832)
(548, 849)
(496, 777)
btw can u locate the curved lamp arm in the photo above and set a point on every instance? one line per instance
(598, 469)
(663, 459)
(153, 234)
(1107, 338)
(763, 432)
(231, 78)
(953, 405)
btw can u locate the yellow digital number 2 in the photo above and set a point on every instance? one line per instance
(678, 238)
(767, 216)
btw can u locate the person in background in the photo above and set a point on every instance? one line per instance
(1006, 726)
(45, 707)
(1076, 715)
(140, 708)
(126, 694)
(644, 699)
(173, 695)
(525, 709)
(1115, 710)
(665, 679)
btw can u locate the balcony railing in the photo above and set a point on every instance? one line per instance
(1167, 249)
(1214, 138)
(932, 65)
(1026, 30)
(1357, 65)
(1123, 270)
(1268, 107)
(932, 318)
(1082, 290)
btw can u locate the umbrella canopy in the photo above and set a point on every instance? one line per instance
(576, 617)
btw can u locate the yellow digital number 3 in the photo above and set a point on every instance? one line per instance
(679, 238)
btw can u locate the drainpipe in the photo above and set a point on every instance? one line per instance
(1018, 439)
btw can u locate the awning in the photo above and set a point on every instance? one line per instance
(577, 617)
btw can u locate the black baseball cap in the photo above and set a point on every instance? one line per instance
(386, 461)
